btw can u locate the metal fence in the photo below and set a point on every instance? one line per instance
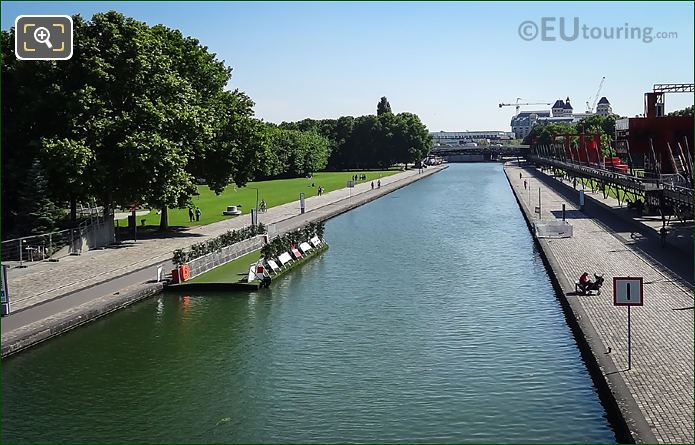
(224, 255)
(28, 250)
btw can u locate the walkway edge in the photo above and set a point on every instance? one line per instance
(614, 393)
(50, 327)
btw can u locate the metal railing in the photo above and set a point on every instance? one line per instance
(224, 255)
(28, 250)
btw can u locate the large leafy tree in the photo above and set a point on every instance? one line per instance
(133, 117)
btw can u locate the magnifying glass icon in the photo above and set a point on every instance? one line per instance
(42, 35)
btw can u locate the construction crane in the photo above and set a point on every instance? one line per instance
(518, 105)
(590, 108)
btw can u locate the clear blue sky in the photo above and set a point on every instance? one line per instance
(451, 63)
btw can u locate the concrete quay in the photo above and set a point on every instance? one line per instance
(655, 397)
(99, 282)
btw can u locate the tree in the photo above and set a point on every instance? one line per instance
(35, 105)
(39, 214)
(684, 112)
(383, 106)
(67, 164)
(296, 153)
(133, 117)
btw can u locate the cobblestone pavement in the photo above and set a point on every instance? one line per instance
(661, 378)
(45, 281)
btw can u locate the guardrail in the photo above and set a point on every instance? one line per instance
(226, 254)
(28, 250)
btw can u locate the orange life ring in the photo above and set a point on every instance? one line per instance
(185, 272)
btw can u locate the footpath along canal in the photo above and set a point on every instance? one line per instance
(431, 318)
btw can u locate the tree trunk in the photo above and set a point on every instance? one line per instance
(73, 212)
(164, 220)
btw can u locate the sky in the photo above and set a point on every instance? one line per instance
(451, 63)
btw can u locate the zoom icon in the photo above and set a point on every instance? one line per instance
(43, 37)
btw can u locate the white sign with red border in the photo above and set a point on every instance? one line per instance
(628, 291)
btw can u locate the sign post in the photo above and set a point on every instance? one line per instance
(628, 291)
(254, 217)
(4, 295)
(301, 202)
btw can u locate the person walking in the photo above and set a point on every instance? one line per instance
(378, 184)
(524, 184)
(197, 213)
(372, 185)
(190, 214)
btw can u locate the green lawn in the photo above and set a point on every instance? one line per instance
(276, 192)
(610, 191)
(228, 273)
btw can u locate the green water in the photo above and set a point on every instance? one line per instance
(430, 319)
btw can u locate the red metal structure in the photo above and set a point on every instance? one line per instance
(659, 144)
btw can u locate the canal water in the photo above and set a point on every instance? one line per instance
(430, 319)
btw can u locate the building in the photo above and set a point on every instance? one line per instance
(561, 112)
(603, 108)
(524, 121)
(456, 138)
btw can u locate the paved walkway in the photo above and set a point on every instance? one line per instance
(47, 281)
(660, 384)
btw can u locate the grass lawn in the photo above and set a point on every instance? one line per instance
(611, 192)
(275, 193)
(228, 273)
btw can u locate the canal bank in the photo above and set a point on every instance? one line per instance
(430, 319)
(655, 397)
(43, 321)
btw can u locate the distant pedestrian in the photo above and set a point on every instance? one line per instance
(525, 184)
(519, 175)
(378, 183)
(264, 206)
(372, 185)
(197, 213)
(191, 215)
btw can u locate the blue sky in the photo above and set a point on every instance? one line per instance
(451, 63)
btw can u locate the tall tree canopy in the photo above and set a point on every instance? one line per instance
(133, 117)
(370, 141)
